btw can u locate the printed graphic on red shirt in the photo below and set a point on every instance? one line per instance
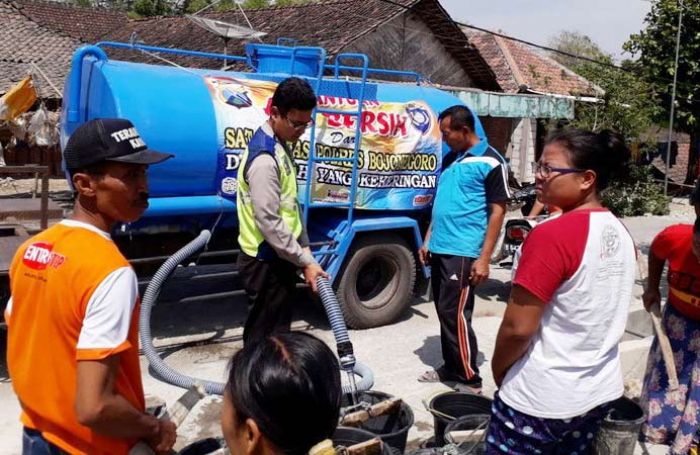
(674, 244)
(40, 255)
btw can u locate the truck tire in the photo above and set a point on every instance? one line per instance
(376, 284)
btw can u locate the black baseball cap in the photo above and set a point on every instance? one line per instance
(108, 139)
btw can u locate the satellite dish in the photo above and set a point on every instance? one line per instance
(224, 29)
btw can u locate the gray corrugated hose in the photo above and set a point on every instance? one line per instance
(342, 340)
(169, 375)
(161, 369)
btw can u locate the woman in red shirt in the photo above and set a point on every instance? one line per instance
(672, 416)
(556, 361)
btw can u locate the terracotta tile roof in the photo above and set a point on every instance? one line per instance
(88, 25)
(23, 42)
(48, 32)
(332, 24)
(491, 52)
(516, 64)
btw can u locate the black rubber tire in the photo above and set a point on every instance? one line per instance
(377, 281)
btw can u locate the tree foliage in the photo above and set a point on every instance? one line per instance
(656, 46)
(251, 4)
(627, 102)
(145, 8)
(575, 43)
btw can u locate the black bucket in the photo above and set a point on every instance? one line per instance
(206, 447)
(455, 404)
(472, 422)
(619, 430)
(348, 436)
(391, 428)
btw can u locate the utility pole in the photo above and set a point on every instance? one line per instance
(673, 96)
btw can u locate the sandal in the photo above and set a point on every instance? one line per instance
(437, 375)
(461, 387)
(430, 376)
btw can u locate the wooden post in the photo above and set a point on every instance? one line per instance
(45, 198)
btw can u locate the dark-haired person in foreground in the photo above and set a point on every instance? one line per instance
(282, 396)
(272, 237)
(72, 342)
(672, 416)
(466, 220)
(556, 360)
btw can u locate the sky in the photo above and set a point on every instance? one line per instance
(608, 23)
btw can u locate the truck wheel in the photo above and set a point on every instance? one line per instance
(377, 281)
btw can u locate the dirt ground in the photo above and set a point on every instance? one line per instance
(199, 338)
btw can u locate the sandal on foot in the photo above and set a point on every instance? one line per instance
(461, 387)
(430, 376)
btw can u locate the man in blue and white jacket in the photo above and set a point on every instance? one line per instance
(467, 217)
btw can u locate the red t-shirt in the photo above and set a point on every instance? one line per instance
(675, 245)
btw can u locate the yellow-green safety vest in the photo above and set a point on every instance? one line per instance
(250, 238)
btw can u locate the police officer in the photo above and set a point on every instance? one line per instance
(273, 239)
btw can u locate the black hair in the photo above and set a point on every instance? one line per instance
(289, 384)
(294, 93)
(696, 226)
(460, 116)
(605, 153)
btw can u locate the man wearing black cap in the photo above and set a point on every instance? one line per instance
(72, 348)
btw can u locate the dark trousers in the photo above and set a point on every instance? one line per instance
(33, 443)
(270, 286)
(454, 302)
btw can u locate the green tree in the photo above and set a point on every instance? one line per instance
(253, 4)
(225, 5)
(145, 8)
(192, 6)
(290, 2)
(656, 47)
(627, 102)
(627, 105)
(577, 44)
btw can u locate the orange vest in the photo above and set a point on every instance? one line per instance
(52, 278)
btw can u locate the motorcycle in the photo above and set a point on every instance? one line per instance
(516, 226)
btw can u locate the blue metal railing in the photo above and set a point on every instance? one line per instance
(312, 158)
(166, 50)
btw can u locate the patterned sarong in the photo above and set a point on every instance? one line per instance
(672, 417)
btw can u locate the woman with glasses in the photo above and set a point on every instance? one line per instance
(556, 360)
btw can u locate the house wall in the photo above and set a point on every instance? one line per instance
(521, 149)
(498, 131)
(406, 43)
(515, 138)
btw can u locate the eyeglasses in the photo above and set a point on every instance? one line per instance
(299, 125)
(545, 171)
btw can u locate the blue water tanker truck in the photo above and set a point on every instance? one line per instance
(367, 168)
